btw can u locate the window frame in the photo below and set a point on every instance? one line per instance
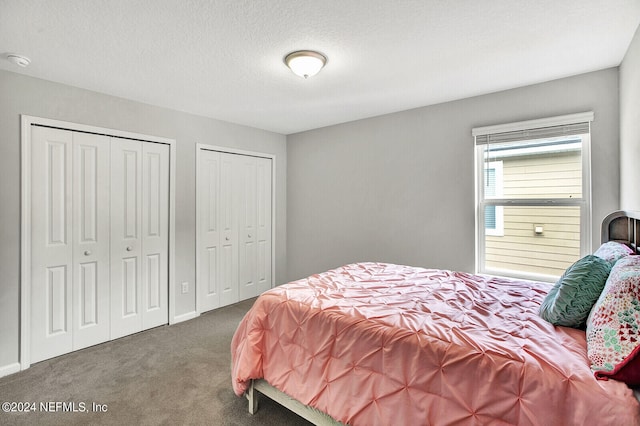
(584, 203)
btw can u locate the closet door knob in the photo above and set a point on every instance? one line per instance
(87, 252)
(129, 248)
(249, 236)
(226, 238)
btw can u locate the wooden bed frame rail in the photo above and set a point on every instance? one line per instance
(311, 414)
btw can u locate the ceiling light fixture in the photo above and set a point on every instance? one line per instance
(19, 60)
(305, 63)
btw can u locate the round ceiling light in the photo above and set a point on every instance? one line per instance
(19, 60)
(305, 63)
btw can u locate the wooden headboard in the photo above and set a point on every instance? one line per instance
(623, 226)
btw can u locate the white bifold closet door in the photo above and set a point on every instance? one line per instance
(139, 236)
(218, 231)
(234, 228)
(70, 241)
(254, 260)
(89, 206)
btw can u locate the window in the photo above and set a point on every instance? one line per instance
(533, 196)
(493, 184)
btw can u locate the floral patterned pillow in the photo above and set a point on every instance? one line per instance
(613, 326)
(612, 251)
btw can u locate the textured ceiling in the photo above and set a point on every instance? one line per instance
(223, 59)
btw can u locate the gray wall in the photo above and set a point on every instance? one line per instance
(400, 187)
(26, 95)
(630, 126)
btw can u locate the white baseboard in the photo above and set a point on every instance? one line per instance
(185, 317)
(5, 370)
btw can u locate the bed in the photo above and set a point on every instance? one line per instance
(381, 344)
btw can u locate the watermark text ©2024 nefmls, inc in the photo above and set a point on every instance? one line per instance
(54, 407)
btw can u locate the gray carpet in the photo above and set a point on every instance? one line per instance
(172, 375)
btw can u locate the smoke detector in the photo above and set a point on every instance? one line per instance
(19, 60)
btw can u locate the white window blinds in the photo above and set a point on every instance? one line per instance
(534, 129)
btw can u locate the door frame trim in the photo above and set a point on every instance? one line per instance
(26, 122)
(206, 147)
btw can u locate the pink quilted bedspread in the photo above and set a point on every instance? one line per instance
(381, 344)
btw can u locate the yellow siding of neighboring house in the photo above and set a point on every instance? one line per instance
(558, 247)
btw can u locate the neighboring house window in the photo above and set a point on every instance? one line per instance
(533, 196)
(493, 184)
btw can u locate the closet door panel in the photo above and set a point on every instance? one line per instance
(229, 274)
(91, 319)
(228, 200)
(208, 217)
(126, 238)
(263, 212)
(247, 181)
(155, 238)
(51, 243)
(86, 305)
(217, 265)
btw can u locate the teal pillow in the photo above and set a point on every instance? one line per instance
(572, 297)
